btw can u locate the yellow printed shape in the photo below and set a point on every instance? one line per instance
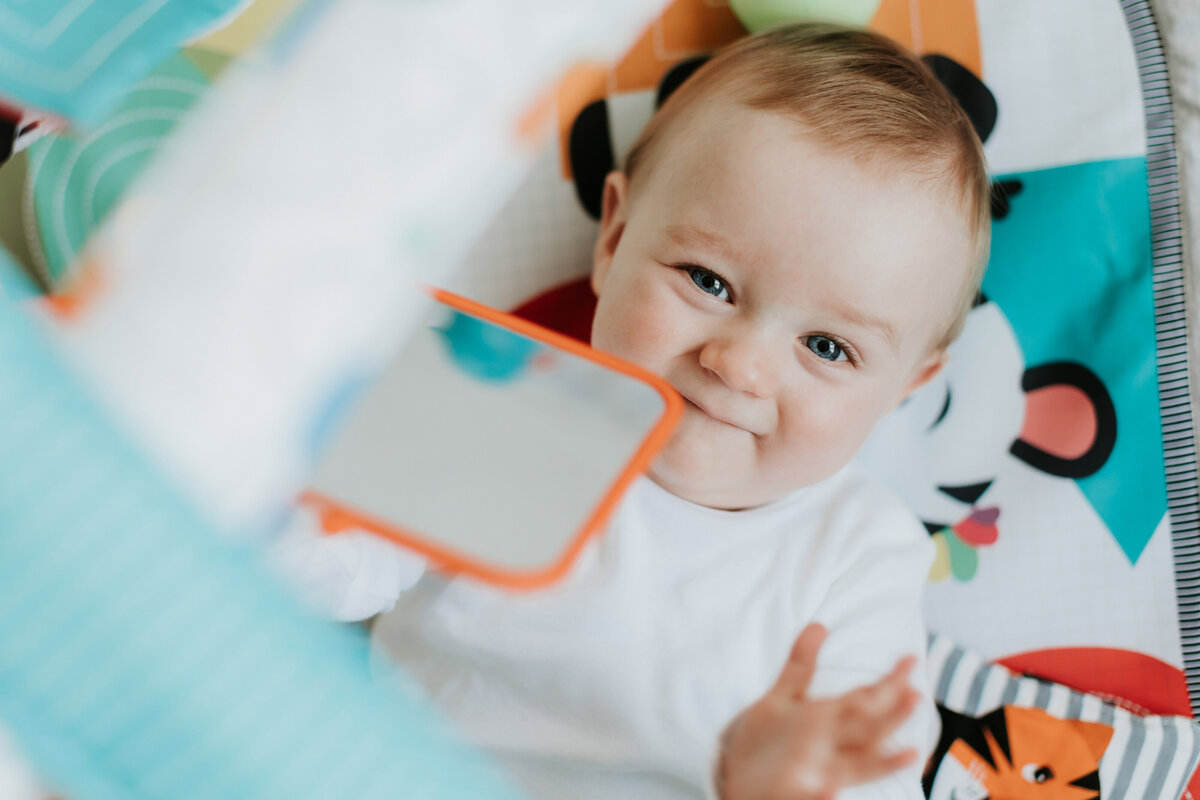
(248, 27)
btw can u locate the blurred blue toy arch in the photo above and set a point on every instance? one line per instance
(176, 158)
(146, 651)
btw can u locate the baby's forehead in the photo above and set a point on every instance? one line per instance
(707, 137)
(747, 187)
(719, 132)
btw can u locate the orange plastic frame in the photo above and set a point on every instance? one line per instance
(336, 518)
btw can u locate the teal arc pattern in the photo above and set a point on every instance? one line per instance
(77, 177)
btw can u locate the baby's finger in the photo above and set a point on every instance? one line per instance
(895, 716)
(880, 697)
(801, 664)
(902, 670)
(871, 713)
(898, 676)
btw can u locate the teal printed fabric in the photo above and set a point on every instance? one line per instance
(143, 656)
(76, 58)
(77, 177)
(1041, 442)
(1052, 460)
(1071, 270)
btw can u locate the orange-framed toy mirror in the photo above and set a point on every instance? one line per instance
(491, 446)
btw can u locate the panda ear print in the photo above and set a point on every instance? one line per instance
(590, 144)
(675, 77)
(590, 150)
(1070, 425)
(970, 92)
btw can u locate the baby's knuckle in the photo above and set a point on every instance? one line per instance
(873, 702)
(859, 704)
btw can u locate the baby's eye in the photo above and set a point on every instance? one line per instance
(709, 283)
(825, 348)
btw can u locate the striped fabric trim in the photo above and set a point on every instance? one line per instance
(1148, 758)
(1170, 318)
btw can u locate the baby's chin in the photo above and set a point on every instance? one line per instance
(709, 472)
(702, 490)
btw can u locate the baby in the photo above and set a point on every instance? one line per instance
(793, 243)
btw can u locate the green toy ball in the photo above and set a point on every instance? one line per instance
(759, 15)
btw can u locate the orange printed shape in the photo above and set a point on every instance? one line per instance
(533, 121)
(1093, 735)
(946, 27)
(691, 27)
(337, 518)
(1077, 745)
(1038, 757)
(686, 28)
(88, 283)
(583, 84)
(334, 520)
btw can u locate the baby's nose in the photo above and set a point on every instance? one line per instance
(744, 363)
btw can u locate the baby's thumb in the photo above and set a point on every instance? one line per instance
(797, 673)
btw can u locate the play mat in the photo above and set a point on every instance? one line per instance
(229, 233)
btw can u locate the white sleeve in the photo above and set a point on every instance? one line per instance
(873, 613)
(347, 577)
(17, 780)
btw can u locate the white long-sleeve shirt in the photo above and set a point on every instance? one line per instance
(618, 681)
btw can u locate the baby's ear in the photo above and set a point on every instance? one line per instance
(926, 371)
(614, 207)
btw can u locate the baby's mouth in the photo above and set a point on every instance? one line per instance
(712, 416)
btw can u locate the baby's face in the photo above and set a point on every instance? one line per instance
(790, 294)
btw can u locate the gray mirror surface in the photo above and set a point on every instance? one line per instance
(486, 442)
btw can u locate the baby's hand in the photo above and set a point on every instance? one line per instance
(789, 747)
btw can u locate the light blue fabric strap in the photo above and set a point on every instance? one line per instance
(76, 58)
(143, 656)
(15, 283)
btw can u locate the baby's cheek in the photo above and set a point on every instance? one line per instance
(624, 340)
(824, 433)
(639, 335)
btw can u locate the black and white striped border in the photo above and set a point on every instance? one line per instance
(1170, 320)
(1148, 757)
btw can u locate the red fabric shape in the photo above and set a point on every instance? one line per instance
(1135, 681)
(567, 309)
(976, 532)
